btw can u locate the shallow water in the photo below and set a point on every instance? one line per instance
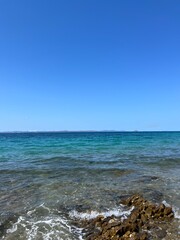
(48, 179)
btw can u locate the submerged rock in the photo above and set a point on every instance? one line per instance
(145, 218)
(6, 222)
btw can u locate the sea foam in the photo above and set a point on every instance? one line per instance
(117, 212)
(51, 227)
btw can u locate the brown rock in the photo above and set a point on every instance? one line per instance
(167, 210)
(145, 216)
(143, 236)
(171, 215)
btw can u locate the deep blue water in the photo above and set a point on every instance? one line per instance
(44, 177)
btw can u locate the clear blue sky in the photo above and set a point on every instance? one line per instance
(89, 64)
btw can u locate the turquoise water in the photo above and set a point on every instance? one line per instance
(48, 180)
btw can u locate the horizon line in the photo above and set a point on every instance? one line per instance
(69, 131)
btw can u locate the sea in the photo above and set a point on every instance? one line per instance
(51, 180)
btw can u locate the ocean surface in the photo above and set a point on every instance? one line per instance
(48, 181)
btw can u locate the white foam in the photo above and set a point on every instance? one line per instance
(176, 210)
(118, 212)
(49, 227)
(165, 203)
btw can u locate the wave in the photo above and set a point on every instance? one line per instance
(163, 162)
(117, 212)
(52, 226)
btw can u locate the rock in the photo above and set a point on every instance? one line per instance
(167, 210)
(6, 222)
(161, 233)
(139, 225)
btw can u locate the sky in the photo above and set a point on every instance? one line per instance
(89, 65)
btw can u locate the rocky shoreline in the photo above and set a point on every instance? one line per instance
(146, 221)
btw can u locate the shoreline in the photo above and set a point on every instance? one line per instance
(144, 220)
(52, 181)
